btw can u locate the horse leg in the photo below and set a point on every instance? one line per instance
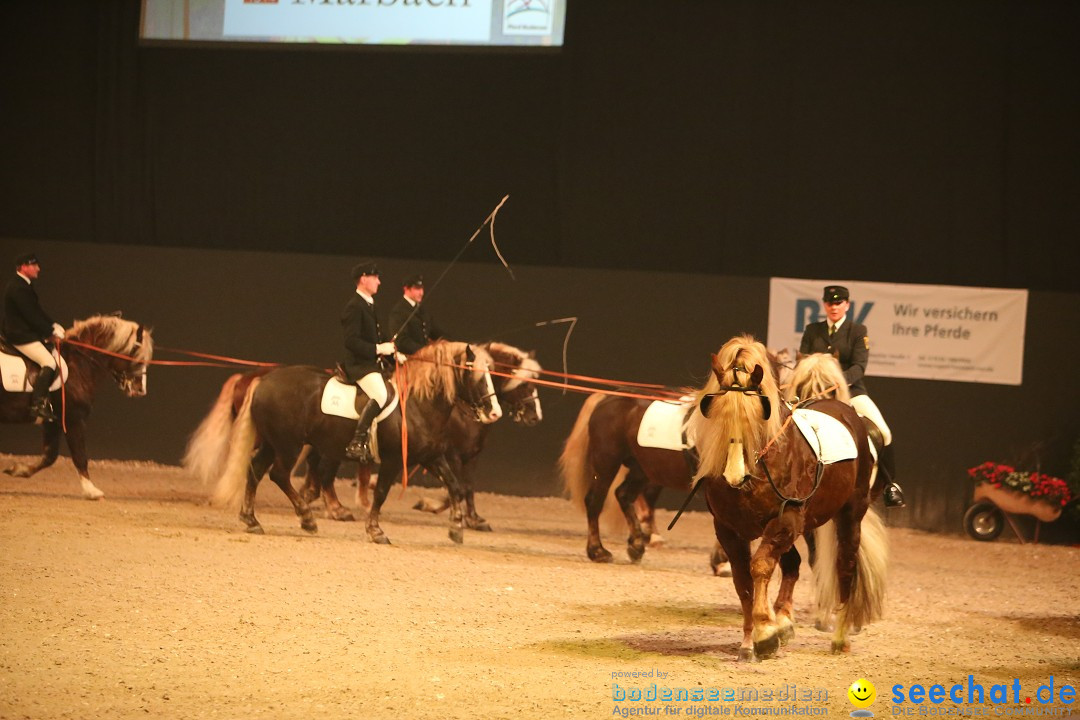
(323, 472)
(738, 552)
(363, 485)
(50, 450)
(646, 507)
(311, 488)
(785, 598)
(848, 535)
(76, 440)
(260, 462)
(718, 561)
(442, 470)
(281, 474)
(472, 520)
(777, 539)
(626, 494)
(389, 471)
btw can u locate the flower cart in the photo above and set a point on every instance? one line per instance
(1001, 491)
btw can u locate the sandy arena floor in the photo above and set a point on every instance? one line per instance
(150, 603)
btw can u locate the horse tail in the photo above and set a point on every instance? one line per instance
(233, 481)
(866, 603)
(574, 462)
(209, 444)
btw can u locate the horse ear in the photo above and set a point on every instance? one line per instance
(706, 403)
(714, 366)
(470, 356)
(755, 377)
(766, 408)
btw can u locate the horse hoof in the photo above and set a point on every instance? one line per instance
(457, 535)
(479, 524)
(635, 552)
(747, 655)
(342, 515)
(656, 540)
(768, 646)
(823, 625)
(600, 555)
(722, 570)
(254, 530)
(842, 647)
(380, 539)
(787, 632)
(309, 526)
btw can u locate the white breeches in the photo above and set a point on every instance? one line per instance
(37, 352)
(867, 409)
(374, 387)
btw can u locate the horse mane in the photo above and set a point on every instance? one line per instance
(818, 375)
(113, 333)
(430, 371)
(734, 415)
(525, 367)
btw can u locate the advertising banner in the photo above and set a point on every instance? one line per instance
(926, 332)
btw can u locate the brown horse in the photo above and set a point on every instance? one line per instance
(282, 410)
(602, 443)
(123, 350)
(762, 479)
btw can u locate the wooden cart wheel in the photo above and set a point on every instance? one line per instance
(984, 521)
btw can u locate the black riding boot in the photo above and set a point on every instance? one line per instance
(39, 398)
(893, 495)
(359, 448)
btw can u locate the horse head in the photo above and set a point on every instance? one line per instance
(736, 411)
(478, 388)
(126, 347)
(817, 375)
(517, 393)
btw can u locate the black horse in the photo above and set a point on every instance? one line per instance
(282, 409)
(515, 370)
(100, 345)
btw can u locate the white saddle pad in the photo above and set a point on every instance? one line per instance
(828, 437)
(13, 368)
(339, 399)
(663, 423)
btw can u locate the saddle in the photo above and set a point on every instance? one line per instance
(19, 372)
(339, 398)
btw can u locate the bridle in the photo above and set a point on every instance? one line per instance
(753, 389)
(479, 404)
(135, 374)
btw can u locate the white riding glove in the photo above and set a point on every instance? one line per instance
(58, 331)
(385, 348)
(401, 358)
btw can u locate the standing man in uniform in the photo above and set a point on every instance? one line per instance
(28, 328)
(411, 321)
(849, 343)
(363, 347)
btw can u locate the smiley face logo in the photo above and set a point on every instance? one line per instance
(862, 693)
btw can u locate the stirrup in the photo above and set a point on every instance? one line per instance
(893, 496)
(41, 411)
(359, 450)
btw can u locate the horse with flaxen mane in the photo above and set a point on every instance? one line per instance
(763, 479)
(519, 398)
(282, 409)
(118, 347)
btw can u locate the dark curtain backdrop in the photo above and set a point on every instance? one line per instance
(898, 141)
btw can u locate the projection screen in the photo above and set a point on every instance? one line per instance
(465, 23)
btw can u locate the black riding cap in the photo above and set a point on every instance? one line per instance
(413, 281)
(364, 267)
(26, 259)
(835, 293)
